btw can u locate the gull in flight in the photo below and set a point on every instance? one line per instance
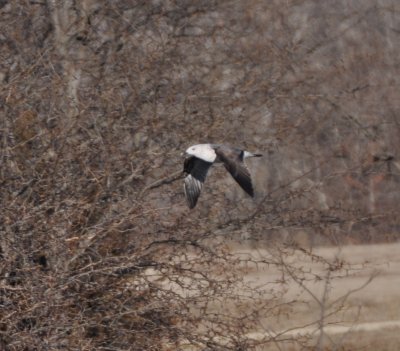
(200, 159)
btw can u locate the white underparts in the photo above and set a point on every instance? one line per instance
(247, 154)
(202, 151)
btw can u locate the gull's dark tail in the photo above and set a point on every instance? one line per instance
(250, 154)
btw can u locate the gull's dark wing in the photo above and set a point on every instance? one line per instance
(233, 162)
(196, 170)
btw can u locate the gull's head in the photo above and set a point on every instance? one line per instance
(192, 150)
(203, 151)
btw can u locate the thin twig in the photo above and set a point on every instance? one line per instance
(166, 180)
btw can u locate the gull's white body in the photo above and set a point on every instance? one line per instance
(206, 152)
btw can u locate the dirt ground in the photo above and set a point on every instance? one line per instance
(365, 303)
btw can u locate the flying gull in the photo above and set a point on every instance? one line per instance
(200, 159)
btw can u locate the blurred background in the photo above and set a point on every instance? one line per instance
(98, 101)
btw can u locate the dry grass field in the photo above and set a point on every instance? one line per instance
(356, 307)
(367, 299)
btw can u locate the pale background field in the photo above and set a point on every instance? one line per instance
(369, 318)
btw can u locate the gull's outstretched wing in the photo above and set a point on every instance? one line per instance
(233, 162)
(196, 170)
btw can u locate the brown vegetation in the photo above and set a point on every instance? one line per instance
(97, 101)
